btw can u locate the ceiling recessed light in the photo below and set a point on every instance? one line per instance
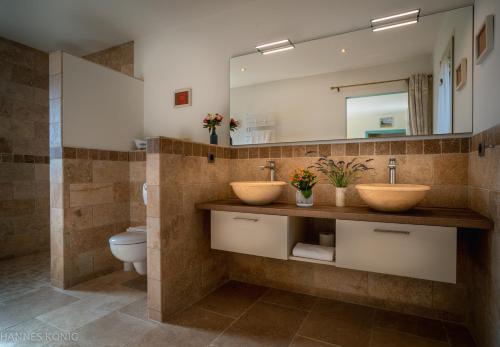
(412, 13)
(397, 25)
(343, 50)
(243, 69)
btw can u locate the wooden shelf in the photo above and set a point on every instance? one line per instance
(448, 217)
(309, 260)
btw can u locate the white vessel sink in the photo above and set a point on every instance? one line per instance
(258, 192)
(392, 197)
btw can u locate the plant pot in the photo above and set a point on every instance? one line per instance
(214, 139)
(340, 196)
(302, 201)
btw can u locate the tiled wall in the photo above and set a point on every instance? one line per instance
(181, 266)
(173, 224)
(119, 58)
(440, 163)
(24, 169)
(137, 169)
(92, 194)
(484, 247)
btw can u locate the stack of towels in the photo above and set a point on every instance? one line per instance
(305, 250)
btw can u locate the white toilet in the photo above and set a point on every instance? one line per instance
(130, 246)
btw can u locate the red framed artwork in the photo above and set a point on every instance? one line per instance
(182, 97)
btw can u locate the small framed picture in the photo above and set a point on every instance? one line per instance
(484, 39)
(461, 74)
(182, 97)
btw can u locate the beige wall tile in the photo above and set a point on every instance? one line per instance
(24, 189)
(451, 169)
(154, 232)
(137, 171)
(106, 214)
(77, 171)
(105, 171)
(154, 295)
(86, 194)
(400, 290)
(77, 218)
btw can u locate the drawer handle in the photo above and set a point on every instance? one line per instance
(246, 219)
(392, 231)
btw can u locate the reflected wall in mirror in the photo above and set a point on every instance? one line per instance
(363, 84)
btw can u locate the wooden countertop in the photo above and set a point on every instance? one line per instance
(448, 217)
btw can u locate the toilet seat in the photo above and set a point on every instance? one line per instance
(128, 238)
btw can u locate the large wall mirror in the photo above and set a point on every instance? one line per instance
(363, 84)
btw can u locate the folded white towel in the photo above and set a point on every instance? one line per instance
(305, 250)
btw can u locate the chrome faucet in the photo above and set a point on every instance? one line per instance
(272, 168)
(392, 170)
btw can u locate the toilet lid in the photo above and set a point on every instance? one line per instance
(140, 228)
(128, 238)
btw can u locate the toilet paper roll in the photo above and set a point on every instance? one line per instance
(326, 239)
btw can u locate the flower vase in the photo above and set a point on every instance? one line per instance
(304, 198)
(340, 196)
(214, 139)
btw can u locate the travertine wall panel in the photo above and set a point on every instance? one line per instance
(24, 149)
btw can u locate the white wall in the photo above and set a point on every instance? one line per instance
(457, 24)
(102, 108)
(487, 74)
(306, 109)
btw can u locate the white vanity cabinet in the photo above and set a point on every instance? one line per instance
(248, 233)
(419, 251)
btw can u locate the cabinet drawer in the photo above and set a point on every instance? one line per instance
(256, 234)
(418, 251)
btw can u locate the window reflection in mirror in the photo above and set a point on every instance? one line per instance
(310, 93)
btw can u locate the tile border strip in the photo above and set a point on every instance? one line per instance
(96, 154)
(24, 158)
(168, 145)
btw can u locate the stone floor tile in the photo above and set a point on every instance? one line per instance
(232, 298)
(114, 329)
(192, 327)
(289, 299)
(393, 338)
(263, 325)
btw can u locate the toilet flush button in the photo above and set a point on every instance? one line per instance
(145, 193)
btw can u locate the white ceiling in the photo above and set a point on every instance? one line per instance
(86, 26)
(364, 48)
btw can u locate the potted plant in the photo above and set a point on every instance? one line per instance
(233, 126)
(210, 122)
(303, 180)
(341, 174)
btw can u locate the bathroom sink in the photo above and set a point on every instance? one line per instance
(392, 197)
(258, 192)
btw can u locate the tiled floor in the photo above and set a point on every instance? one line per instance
(111, 311)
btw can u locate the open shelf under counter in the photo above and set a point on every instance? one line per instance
(447, 217)
(310, 260)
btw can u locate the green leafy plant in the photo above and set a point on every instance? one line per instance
(304, 181)
(341, 173)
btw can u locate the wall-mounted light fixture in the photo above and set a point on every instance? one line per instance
(275, 47)
(395, 21)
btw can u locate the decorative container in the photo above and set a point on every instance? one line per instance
(302, 201)
(340, 196)
(214, 139)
